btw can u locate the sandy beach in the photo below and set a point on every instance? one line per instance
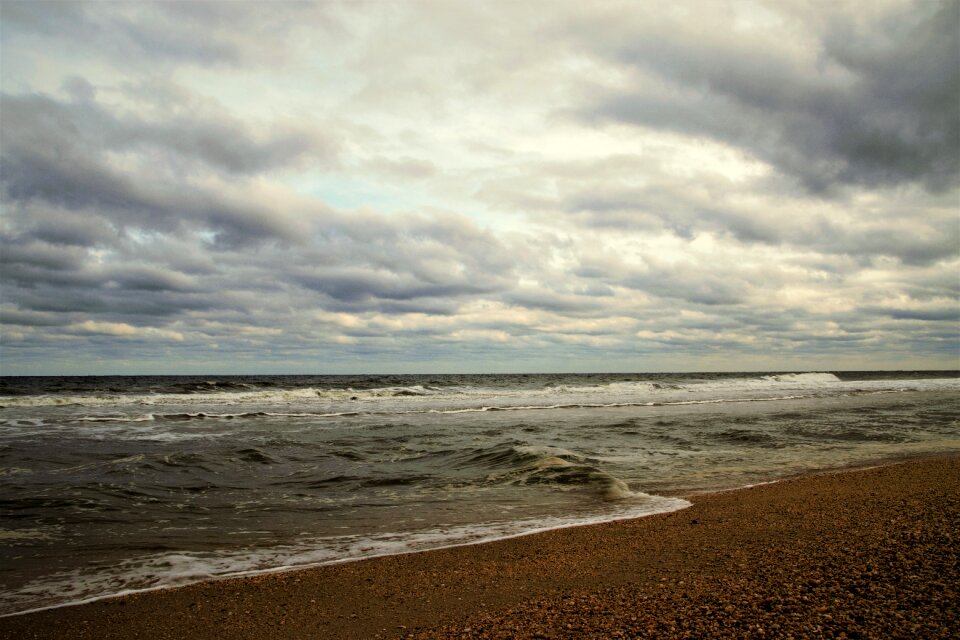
(863, 553)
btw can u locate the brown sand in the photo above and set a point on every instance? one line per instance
(867, 553)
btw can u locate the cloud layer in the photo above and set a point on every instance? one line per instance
(428, 186)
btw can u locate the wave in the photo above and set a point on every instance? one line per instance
(314, 402)
(216, 396)
(561, 472)
(517, 464)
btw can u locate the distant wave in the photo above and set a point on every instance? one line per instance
(632, 393)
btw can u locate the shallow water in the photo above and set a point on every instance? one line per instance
(119, 483)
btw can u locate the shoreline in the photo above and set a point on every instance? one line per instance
(254, 573)
(683, 495)
(513, 587)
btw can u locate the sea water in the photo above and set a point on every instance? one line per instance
(116, 484)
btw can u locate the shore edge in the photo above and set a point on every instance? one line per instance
(869, 549)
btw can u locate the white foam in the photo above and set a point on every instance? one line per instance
(547, 452)
(803, 378)
(149, 417)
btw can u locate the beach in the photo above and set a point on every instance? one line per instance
(863, 553)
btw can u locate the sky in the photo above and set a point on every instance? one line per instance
(442, 186)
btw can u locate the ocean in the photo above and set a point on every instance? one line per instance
(116, 484)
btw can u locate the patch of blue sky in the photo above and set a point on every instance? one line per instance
(348, 192)
(351, 192)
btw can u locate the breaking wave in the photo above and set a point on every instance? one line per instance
(551, 467)
(632, 392)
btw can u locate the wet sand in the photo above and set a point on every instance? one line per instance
(864, 553)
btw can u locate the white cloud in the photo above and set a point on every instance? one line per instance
(124, 330)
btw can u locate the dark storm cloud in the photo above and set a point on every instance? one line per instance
(680, 209)
(698, 288)
(41, 255)
(946, 314)
(548, 300)
(177, 34)
(357, 285)
(927, 285)
(59, 228)
(31, 318)
(30, 178)
(82, 127)
(425, 306)
(149, 278)
(890, 119)
(106, 304)
(917, 243)
(63, 155)
(361, 256)
(366, 262)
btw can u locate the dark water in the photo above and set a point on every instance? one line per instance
(117, 483)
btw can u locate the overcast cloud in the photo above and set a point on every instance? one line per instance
(243, 187)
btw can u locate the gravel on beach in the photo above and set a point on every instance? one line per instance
(869, 553)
